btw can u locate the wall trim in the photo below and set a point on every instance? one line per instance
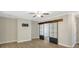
(23, 41)
(65, 45)
(74, 44)
(35, 38)
(4, 42)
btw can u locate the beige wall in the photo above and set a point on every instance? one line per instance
(7, 30)
(23, 33)
(11, 30)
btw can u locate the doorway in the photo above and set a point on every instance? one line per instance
(49, 31)
(53, 37)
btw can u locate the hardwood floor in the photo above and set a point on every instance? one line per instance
(31, 44)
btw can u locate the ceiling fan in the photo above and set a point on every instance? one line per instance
(39, 14)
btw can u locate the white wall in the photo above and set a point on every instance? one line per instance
(66, 31)
(74, 31)
(35, 30)
(7, 30)
(23, 33)
(77, 24)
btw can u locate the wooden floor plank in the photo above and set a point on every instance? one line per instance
(36, 43)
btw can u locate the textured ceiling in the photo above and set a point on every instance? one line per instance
(26, 15)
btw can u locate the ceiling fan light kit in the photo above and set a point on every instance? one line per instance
(39, 14)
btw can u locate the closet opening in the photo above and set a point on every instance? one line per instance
(49, 31)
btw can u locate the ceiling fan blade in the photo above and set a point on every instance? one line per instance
(42, 16)
(45, 13)
(34, 16)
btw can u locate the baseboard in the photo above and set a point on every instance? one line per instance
(23, 41)
(4, 42)
(65, 45)
(74, 45)
(35, 38)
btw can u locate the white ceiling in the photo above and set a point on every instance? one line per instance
(26, 15)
